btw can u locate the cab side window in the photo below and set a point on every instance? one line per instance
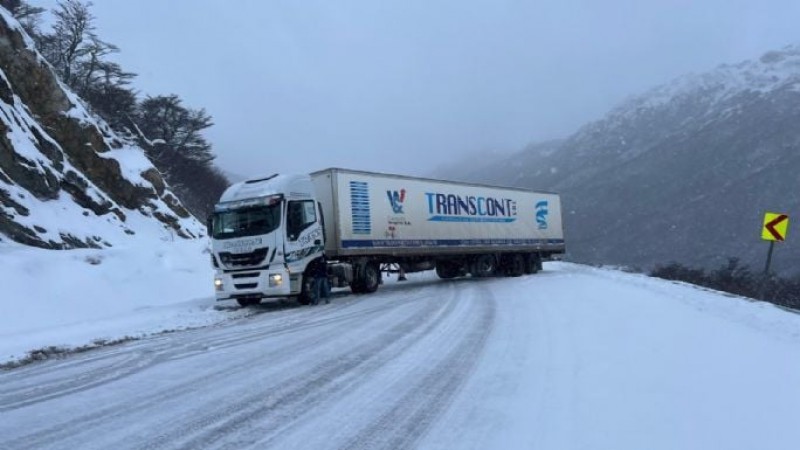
(299, 216)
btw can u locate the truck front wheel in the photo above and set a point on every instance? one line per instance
(305, 296)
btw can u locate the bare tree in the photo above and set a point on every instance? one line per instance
(69, 42)
(179, 128)
(80, 58)
(172, 136)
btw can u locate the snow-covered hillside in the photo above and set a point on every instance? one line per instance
(66, 179)
(571, 358)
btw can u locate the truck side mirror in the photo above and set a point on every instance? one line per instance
(209, 220)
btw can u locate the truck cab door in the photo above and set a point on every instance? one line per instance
(304, 235)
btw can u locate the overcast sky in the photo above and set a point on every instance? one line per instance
(404, 86)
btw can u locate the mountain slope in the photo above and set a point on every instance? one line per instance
(66, 179)
(681, 173)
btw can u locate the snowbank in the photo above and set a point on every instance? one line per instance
(73, 298)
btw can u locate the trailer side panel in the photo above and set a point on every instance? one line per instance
(396, 215)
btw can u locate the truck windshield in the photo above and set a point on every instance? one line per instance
(250, 221)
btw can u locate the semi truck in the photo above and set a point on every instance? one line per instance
(266, 232)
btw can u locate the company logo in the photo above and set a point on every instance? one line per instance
(396, 199)
(360, 212)
(541, 214)
(472, 208)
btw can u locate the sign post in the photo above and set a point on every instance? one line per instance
(774, 229)
(769, 257)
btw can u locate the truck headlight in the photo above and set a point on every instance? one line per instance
(218, 284)
(275, 279)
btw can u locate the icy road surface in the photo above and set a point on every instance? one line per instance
(570, 358)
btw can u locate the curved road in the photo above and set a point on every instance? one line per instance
(571, 358)
(363, 372)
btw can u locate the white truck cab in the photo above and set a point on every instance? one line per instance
(264, 232)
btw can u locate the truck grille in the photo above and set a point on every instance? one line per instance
(253, 258)
(244, 275)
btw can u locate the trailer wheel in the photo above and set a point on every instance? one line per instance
(533, 263)
(446, 270)
(484, 266)
(514, 265)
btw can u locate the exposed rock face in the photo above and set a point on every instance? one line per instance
(682, 173)
(66, 179)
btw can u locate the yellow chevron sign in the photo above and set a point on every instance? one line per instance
(775, 226)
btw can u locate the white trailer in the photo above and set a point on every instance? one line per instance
(266, 232)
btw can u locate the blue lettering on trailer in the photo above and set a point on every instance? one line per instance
(457, 208)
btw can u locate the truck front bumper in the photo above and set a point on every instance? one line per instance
(252, 284)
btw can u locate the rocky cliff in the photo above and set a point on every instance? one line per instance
(66, 179)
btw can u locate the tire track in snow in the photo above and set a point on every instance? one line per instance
(252, 419)
(409, 419)
(331, 322)
(132, 363)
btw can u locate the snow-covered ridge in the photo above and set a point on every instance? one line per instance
(689, 103)
(772, 71)
(66, 179)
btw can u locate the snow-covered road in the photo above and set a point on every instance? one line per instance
(573, 357)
